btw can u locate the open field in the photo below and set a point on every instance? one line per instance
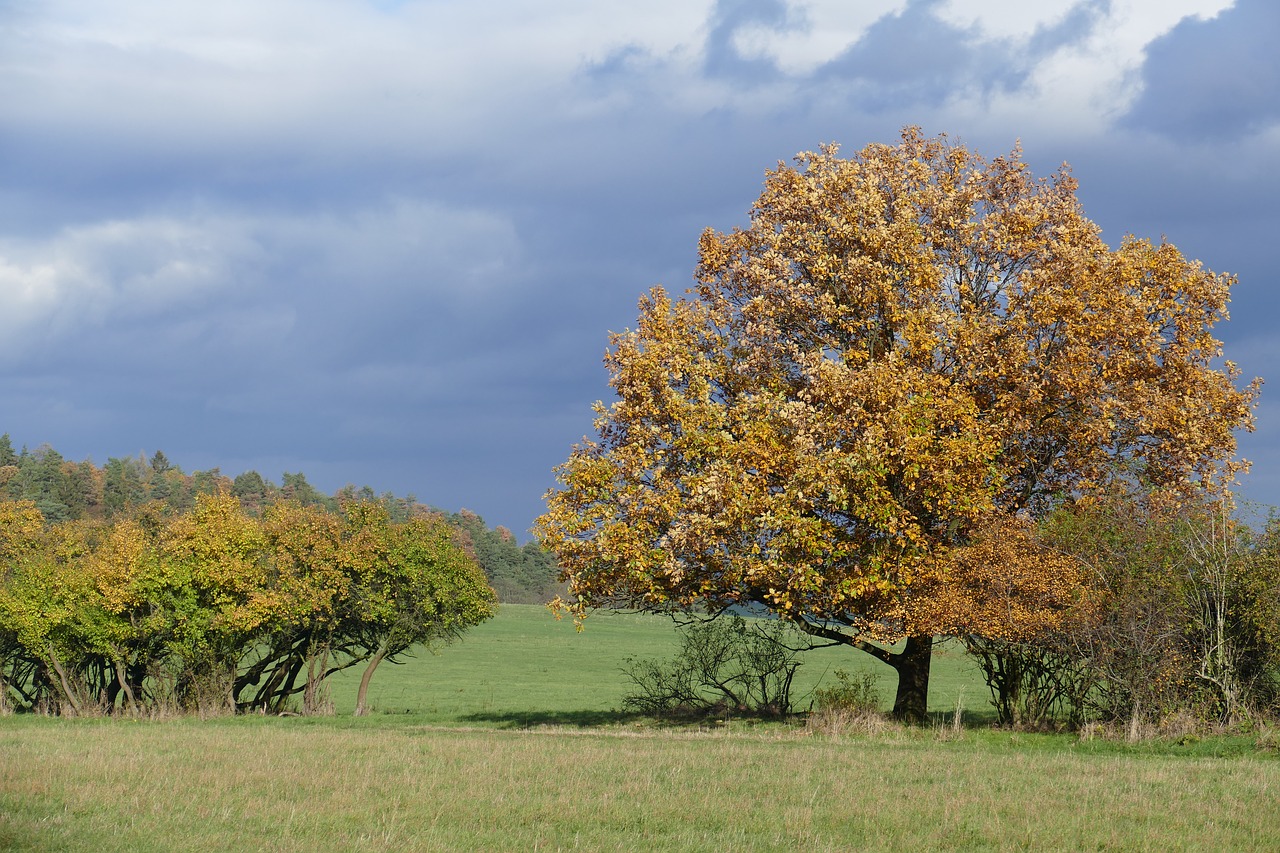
(460, 759)
(524, 668)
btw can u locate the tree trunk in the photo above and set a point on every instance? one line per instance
(315, 698)
(131, 703)
(65, 684)
(911, 705)
(285, 690)
(364, 682)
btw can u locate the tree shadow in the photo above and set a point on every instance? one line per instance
(600, 719)
(532, 719)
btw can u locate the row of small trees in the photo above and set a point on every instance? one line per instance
(214, 610)
(64, 490)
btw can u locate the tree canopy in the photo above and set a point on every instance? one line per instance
(127, 487)
(215, 609)
(870, 390)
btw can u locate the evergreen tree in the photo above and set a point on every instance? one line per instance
(295, 487)
(123, 487)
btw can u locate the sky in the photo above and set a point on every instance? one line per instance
(383, 243)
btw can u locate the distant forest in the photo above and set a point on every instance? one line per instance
(70, 491)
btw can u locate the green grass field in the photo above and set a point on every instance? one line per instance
(509, 741)
(524, 668)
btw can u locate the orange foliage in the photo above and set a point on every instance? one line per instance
(900, 353)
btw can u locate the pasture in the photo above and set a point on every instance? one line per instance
(511, 741)
(524, 669)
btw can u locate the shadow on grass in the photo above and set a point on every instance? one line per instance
(531, 719)
(601, 719)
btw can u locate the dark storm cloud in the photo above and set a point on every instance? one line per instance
(1215, 79)
(722, 56)
(918, 58)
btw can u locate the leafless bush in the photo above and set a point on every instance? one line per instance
(725, 666)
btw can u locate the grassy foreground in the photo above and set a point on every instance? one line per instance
(285, 785)
(460, 759)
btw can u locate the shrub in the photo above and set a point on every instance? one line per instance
(851, 704)
(1033, 683)
(726, 665)
(854, 694)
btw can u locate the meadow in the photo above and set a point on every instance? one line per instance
(511, 740)
(524, 668)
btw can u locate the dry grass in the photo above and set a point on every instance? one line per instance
(285, 785)
(840, 722)
(1267, 739)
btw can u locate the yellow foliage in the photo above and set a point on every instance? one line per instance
(902, 352)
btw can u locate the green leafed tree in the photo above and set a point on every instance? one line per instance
(520, 574)
(412, 585)
(124, 484)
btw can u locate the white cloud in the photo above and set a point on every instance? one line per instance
(1078, 89)
(86, 275)
(824, 28)
(1132, 23)
(237, 275)
(322, 71)
(1003, 18)
(427, 79)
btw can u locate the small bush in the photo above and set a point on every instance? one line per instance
(857, 694)
(849, 706)
(725, 666)
(1033, 684)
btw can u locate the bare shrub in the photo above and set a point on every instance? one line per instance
(206, 690)
(1033, 683)
(725, 666)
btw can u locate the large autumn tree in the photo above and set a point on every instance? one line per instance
(903, 350)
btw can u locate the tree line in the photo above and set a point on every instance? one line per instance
(65, 490)
(215, 610)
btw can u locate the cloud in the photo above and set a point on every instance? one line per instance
(916, 57)
(735, 21)
(999, 19)
(799, 37)
(1213, 79)
(250, 282)
(88, 276)
(384, 241)
(890, 59)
